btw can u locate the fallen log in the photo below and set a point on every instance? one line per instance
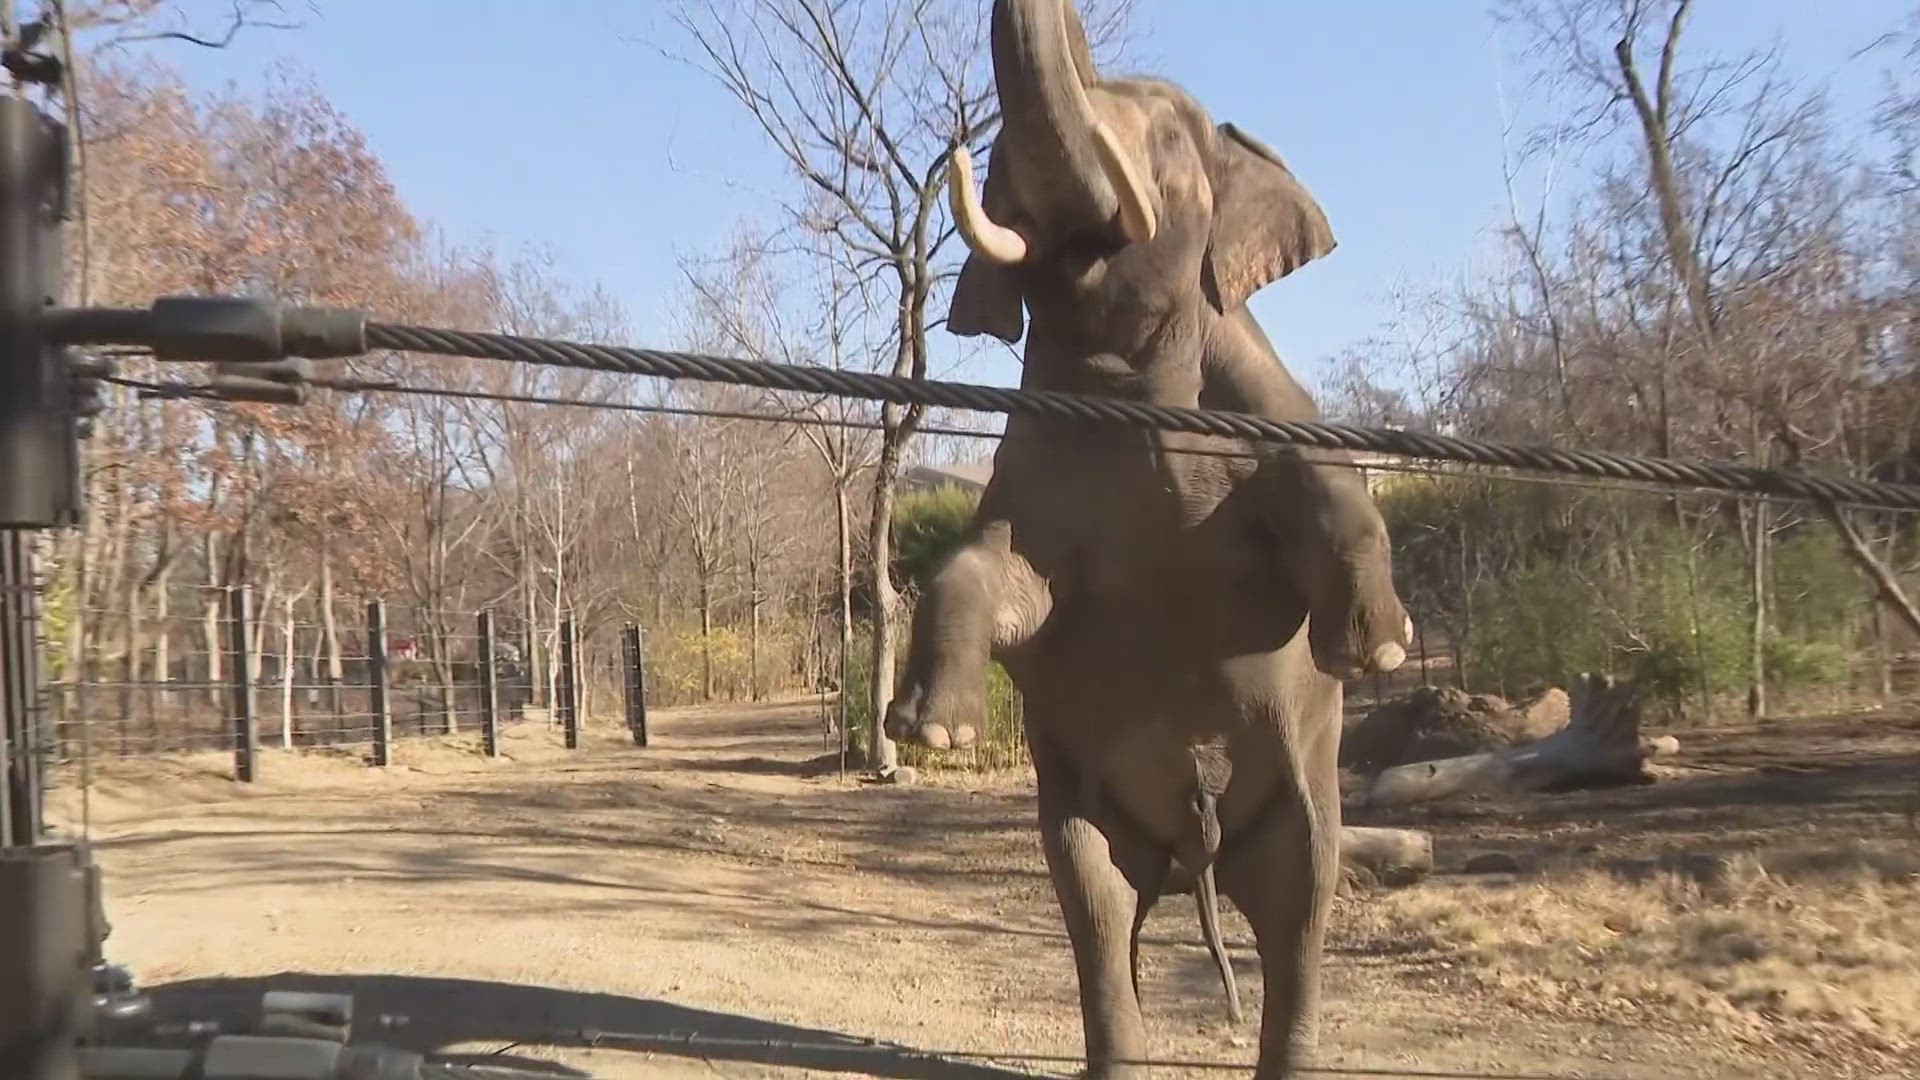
(1392, 857)
(1601, 743)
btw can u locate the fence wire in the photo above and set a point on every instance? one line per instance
(158, 686)
(185, 332)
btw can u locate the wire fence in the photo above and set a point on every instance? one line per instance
(238, 676)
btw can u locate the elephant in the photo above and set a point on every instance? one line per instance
(1167, 604)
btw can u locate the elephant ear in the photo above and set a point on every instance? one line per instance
(987, 297)
(1265, 223)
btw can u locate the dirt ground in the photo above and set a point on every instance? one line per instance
(728, 883)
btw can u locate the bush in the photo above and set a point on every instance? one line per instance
(56, 620)
(1533, 587)
(675, 662)
(927, 528)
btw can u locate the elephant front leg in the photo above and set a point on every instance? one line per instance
(1334, 543)
(1281, 873)
(1105, 877)
(1334, 548)
(985, 595)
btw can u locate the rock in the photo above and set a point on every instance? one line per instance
(901, 776)
(1492, 862)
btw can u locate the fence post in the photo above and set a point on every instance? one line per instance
(377, 682)
(569, 689)
(246, 740)
(636, 657)
(489, 689)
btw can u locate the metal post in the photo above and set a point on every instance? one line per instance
(246, 738)
(45, 989)
(635, 656)
(489, 688)
(39, 425)
(377, 682)
(46, 933)
(569, 703)
(21, 752)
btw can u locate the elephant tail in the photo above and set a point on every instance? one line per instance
(1208, 897)
(1208, 900)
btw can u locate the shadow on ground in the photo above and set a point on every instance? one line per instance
(440, 1013)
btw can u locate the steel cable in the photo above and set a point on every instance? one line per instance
(1061, 405)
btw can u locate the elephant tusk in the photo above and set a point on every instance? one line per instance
(1138, 221)
(984, 237)
(1388, 657)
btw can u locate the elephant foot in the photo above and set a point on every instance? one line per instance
(1356, 642)
(936, 720)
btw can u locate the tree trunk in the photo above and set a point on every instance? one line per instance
(882, 755)
(335, 670)
(257, 633)
(287, 668)
(1757, 602)
(1601, 742)
(1882, 649)
(1886, 585)
(753, 629)
(118, 585)
(210, 641)
(443, 668)
(530, 618)
(843, 520)
(162, 639)
(706, 635)
(130, 662)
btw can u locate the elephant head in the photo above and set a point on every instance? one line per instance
(1114, 198)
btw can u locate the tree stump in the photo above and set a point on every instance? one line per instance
(1601, 743)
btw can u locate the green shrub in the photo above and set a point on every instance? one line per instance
(1539, 585)
(927, 527)
(675, 662)
(56, 621)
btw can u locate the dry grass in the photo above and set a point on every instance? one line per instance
(1817, 953)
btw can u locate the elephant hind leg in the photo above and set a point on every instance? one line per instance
(1105, 878)
(1281, 871)
(1148, 873)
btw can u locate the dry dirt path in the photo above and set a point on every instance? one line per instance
(727, 882)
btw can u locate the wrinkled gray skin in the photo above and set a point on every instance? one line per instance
(1152, 605)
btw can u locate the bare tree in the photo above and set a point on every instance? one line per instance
(741, 300)
(1727, 150)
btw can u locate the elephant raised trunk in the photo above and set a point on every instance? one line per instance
(1075, 173)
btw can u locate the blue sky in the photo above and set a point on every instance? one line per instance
(558, 124)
